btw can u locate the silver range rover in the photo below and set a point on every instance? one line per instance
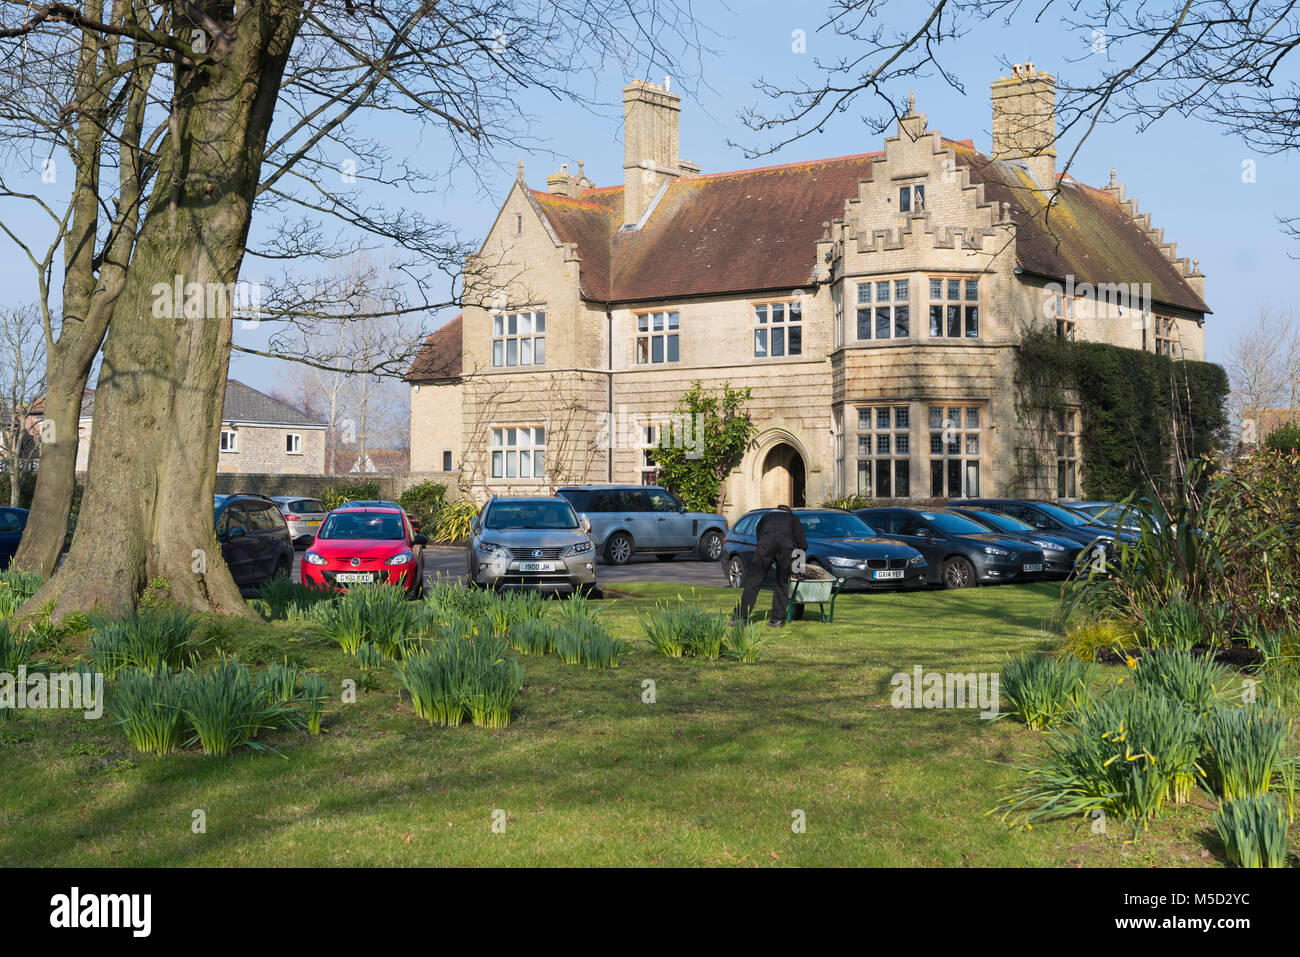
(530, 542)
(627, 520)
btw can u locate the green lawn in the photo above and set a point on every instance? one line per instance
(587, 773)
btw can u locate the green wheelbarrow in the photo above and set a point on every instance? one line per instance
(816, 587)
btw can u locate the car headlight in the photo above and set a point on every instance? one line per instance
(489, 547)
(916, 560)
(843, 562)
(1049, 546)
(577, 549)
(1000, 552)
(311, 558)
(399, 559)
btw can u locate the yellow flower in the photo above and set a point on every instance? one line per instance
(1131, 661)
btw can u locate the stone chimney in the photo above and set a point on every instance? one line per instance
(1024, 121)
(650, 145)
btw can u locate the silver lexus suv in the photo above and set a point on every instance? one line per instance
(530, 542)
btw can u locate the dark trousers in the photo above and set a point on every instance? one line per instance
(764, 556)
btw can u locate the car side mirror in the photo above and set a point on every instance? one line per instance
(237, 531)
(681, 508)
(585, 522)
(420, 540)
(473, 524)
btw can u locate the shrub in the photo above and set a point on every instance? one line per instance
(453, 520)
(423, 502)
(1090, 639)
(226, 709)
(1043, 690)
(1285, 438)
(578, 607)
(16, 648)
(685, 629)
(448, 601)
(745, 641)
(16, 588)
(279, 682)
(1173, 625)
(600, 649)
(1195, 680)
(1124, 755)
(568, 645)
(1253, 831)
(149, 706)
(380, 614)
(286, 600)
(335, 495)
(533, 636)
(851, 502)
(144, 639)
(315, 692)
(461, 676)
(1243, 747)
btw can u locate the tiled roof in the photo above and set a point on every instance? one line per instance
(757, 230)
(439, 357)
(243, 404)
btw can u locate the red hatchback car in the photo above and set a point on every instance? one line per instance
(366, 544)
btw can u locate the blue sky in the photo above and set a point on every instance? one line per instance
(1187, 174)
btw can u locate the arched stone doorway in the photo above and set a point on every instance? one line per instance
(782, 478)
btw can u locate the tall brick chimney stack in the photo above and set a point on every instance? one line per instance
(1024, 121)
(650, 145)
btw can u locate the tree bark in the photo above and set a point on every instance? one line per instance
(147, 509)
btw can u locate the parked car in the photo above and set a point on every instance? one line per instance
(838, 542)
(254, 538)
(1059, 552)
(1047, 517)
(1116, 514)
(638, 519)
(304, 516)
(363, 543)
(530, 542)
(960, 552)
(13, 521)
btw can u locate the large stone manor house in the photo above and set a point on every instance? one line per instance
(873, 304)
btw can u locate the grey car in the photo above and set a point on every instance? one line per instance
(530, 542)
(645, 519)
(303, 515)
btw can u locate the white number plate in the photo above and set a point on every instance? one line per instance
(1033, 568)
(354, 577)
(537, 566)
(890, 574)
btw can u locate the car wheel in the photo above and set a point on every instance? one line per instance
(283, 568)
(710, 548)
(618, 549)
(736, 572)
(958, 573)
(666, 556)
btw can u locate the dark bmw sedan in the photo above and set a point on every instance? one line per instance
(1059, 552)
(839, 542)
(960, 552)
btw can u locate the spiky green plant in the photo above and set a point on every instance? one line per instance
(1242, 749)
(491, 691)
(568, 645)
(1044, 690)
(448, 600)
(462, 676)
(745, 641)
(147, 639)
(370, 657)
(524, 605)
(341, 622)
(578, 606)
(149, 706)
(1253, 830)
(600, 649)
(1195, 680)
(533, 636)
(280, 681)
(16, 588)
(315, 693)
(1174, 625)
(227, 709)
(286, 600)
(1124, 754)
(16, 648)
(1092, 638)
(665, 629)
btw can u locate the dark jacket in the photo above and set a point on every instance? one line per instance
(780, 528)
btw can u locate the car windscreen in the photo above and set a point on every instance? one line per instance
(1065, 516)
(834, 525)
(545, 514)
(953, 524)
(1002, 522)
(374, 526)
(306, 506)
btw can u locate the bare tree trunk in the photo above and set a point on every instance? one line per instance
(147, 510)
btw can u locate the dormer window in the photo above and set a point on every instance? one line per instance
(911, 198)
